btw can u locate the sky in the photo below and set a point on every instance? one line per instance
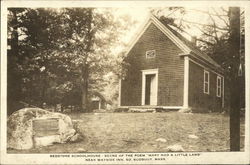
(198, 15)
(192, 14)
(140, 14)
(137, 14)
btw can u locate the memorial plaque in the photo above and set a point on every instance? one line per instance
(45, 127)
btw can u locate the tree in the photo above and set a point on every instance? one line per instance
(88, 41)
(223, 39)
(14, 78)
(63, 54)
(36, 38)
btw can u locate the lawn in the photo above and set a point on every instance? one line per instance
(137, 132)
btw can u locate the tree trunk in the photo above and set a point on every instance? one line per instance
(85, 66)
(84, 88)
(235, 83)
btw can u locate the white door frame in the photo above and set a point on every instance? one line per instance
(144, 73)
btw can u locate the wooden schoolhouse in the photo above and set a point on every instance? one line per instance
(168, 71)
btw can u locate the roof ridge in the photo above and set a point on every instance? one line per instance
(189, 44)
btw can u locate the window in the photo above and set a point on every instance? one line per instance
(150, 54)
(206, 82)
(218, 93)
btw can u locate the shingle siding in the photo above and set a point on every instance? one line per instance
(170, 69)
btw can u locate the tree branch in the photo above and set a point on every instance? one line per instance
(206, 12)
(201, 24)
(172, 12)
(207, 42)
(214, 29)
(220, 17)
(205, 33)
(224, 10)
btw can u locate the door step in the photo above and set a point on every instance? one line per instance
(147, 108)
(141, 110)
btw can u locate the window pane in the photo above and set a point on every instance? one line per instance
(218, 86)
(206, 77)
(218, 91)
(206, 87)
(206, 82)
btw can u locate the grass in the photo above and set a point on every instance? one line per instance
(137, 132)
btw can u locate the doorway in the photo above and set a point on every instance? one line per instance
(149, 87)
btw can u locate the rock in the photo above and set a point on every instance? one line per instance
(185, 110)
(77, 125)
(47, 140)
(76, 138)
(161, 140)
(140, 110)
(193, 137)
(99, 110)
(175, 148)
(20, 131)
(81, 150)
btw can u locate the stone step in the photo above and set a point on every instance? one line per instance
(142, 110)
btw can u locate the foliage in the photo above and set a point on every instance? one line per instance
(215, 33)
(59, 55)
(62, 55)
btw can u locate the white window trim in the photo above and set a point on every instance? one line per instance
(144, 73)
(218, 94)
(204, 82)
(150, 51)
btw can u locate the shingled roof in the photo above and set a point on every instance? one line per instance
(191, 46)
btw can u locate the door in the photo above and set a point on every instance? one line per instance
(150, 89)
(153, 98)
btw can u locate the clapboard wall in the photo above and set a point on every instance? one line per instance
(170, 69)
(198, 100)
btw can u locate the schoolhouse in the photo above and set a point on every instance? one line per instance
(167, 71)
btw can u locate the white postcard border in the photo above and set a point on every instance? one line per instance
(204, 158)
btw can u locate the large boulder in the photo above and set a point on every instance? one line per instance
(20, 131)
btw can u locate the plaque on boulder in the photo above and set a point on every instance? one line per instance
(45, 127)
(31, 127)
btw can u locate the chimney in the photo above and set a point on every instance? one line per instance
(194, 40)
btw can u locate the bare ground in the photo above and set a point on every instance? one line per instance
(137, 132)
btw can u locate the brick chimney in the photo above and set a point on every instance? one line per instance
(194, 40)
